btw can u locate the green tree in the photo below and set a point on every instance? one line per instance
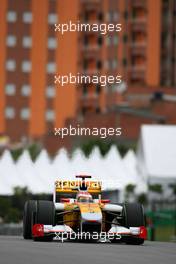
(34, 150)
(20, 196)
(16, 153)
(129, 192)
(5, 205)
(172, 186)
(104, 146)
(142, 198)
(13, 215)
(157, 188)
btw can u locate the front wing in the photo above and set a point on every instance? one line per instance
(64, 232)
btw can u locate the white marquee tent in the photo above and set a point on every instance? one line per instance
(39, 176)
(155, 162)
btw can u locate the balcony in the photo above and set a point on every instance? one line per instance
(90, 47)
(139, 19)
(90, 1)
(89, 100)
(138, 3)
(91, 4)
(137, 72)
(90, 72)
(138, 24)
(90, 51)
(138, 48)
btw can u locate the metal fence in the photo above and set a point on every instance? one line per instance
(161, 221)
(11, 229)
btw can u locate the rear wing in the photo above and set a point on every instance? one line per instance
(94, 187)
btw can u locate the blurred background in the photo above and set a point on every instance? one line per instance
(142, 162)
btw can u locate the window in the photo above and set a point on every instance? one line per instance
(110, 63)
(52, 19)
(85, 64)
(124, 61)
(51, 67)
(125, 38)
(85, 90)
(52, 43)
(9, 112)
(27, 42)
(99, 64)
(126, 15)
(100, 41)
(109, 16)
(86, 16)
(25, 113)
(26, 66)
(27, 17)
(10, 89)
(114, 63)
(106, 64)
(50, 92)
(134, 13)
(100, 16)
(108, 40)
(50, 115)
(115, 40)
(26, 90)
(98, 88)
(10, 65)
(112, 16)
(11, 41)
(11, 16)
(115, 16)
(86, 40)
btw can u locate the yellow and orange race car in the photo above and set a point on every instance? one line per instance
(77, 212)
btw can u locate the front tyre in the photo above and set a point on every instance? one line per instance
(45, 214)
(133, 217)
(29, 210)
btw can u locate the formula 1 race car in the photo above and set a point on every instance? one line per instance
(77, 212)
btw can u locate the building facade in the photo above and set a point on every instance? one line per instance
(144, 53)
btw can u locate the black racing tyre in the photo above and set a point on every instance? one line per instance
(133, 214)
(45, 215)
(29, 209)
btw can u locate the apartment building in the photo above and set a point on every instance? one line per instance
(144, 53)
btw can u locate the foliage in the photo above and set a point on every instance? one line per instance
(173, 187)
(129, 192)
(130, 188)
(157, 188)
(142, 198)
(104, 146)
(11, 207)
(13, 215)
(34, 151)
(5, 204)
(16, 153)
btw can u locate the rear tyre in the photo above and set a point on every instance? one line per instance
(45, 215)
(29, 210)
(133, 217)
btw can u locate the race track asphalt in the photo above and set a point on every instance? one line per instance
(18, 251)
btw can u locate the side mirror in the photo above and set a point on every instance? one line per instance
(65, 200)
(105, 201)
